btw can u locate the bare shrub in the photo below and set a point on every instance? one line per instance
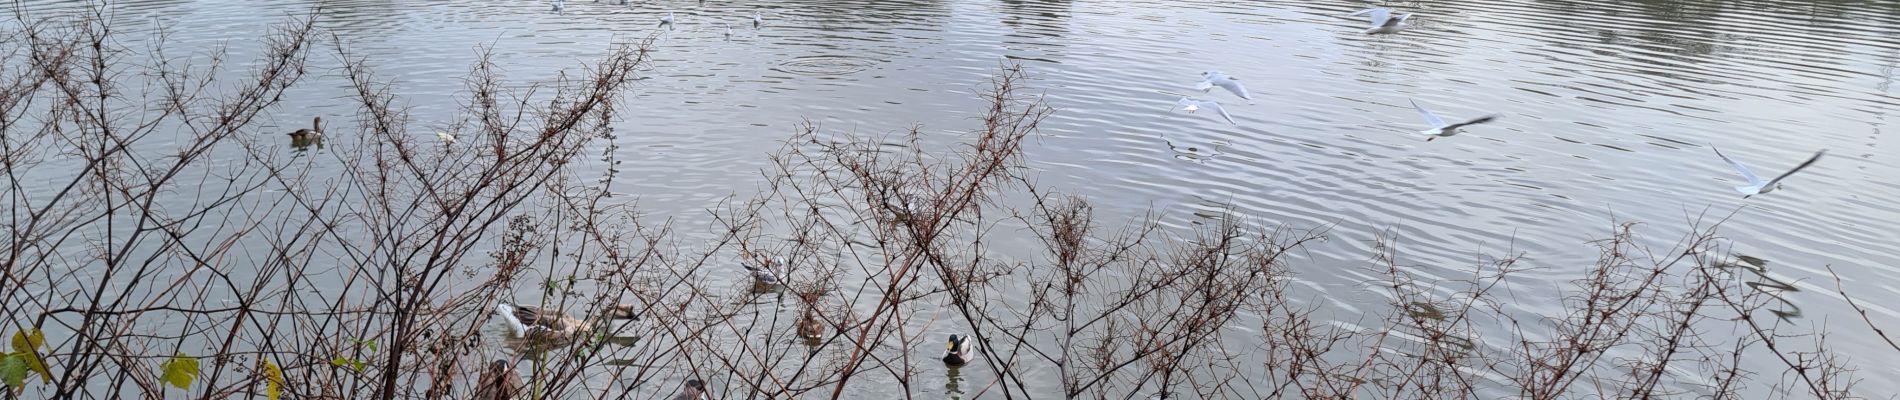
(143, 259)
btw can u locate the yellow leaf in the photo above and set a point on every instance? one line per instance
(38, 366)
(28, 339)
(26, 344)
(180, 371)
(273, 380)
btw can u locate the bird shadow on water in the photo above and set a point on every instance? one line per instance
(1765, 284)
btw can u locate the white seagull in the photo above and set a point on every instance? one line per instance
(757, 20)
(1383, 21)
(667, 21)
(762, 274)
(1191, 105)
(1755, 184)
(1216, 78)
(1440, 128)
(728, 31)
(557, 5)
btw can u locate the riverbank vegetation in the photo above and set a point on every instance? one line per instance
(160, 243)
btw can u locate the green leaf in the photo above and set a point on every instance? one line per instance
(180, 371)
(273, 380)
(13, 371)
(372, 344)
(341, 361)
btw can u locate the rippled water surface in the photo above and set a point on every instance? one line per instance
(1609, 110)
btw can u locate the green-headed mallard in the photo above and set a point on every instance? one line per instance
(959, 351)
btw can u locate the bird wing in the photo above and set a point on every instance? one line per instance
(1233, 85)
(1750, 175)
(1430, 118)
(1475, 121)
(1221, 110)
(1379, 15)
(1394, 21)
(1183, 102)
(535, 316)
(1205, 85)
(1797, 168)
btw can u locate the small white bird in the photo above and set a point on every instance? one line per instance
(1440, 128)
(445, 136)
(1216, 78)
(1383, 22)
(757, 20)
(728, 31)
(1755, 184)
(762, 274)
(557, 5)
(1192, 105)
(667, 21)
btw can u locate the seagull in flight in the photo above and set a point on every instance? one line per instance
(1383, 21)
(1216, 78)
(1440, 128)
(1191, 105)
(1755, 184)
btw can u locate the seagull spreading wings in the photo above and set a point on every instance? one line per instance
(1383, 21)
(1440, 128)
(1216, 78)
(1755, 184)
(1191, 105)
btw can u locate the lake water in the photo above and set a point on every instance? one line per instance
(1609, 109)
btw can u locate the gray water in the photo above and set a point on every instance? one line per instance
(1609, 109)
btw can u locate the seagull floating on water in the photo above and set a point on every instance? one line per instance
(1191, 105)
(1755, 184)
(667, 21)
(757, 20)
(728, 31)
(1383, 21)
(557, 5)
(1216, 78)
(762, 274)
(1440, 128)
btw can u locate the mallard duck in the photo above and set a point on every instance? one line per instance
(693, 391)
(543, 324)
(959, 351)
(313, 132)
(810, 327)
(498, 382)
(762, 274)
